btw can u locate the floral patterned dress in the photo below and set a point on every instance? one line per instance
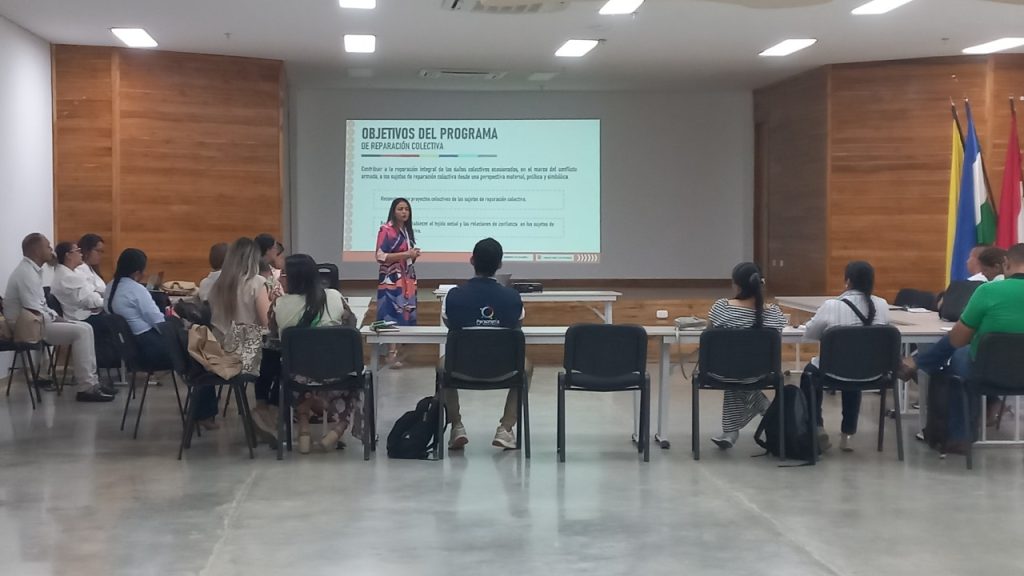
(396, 282)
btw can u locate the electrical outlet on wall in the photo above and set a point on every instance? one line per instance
(662, 314)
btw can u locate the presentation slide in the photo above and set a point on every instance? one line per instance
(534, 185)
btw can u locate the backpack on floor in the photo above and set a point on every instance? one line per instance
(413, 436)
(798, 426)
(936, 426)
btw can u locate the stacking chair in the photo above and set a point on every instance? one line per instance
(195, 376)
(135, 364)
(606, 358)
(741, 360)
(322, 359)
(485, 359)
(860, 358)
(998, 370)
(911, 298)
(23, 351)
(329, 275)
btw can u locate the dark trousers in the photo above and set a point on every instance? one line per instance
(851, 401)
(266, 388)
(153, 353)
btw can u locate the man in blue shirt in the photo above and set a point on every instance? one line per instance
(483, 303)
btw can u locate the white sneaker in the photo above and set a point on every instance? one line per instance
(726, 440)
(458, 439)
(504, 439)
(844, 443)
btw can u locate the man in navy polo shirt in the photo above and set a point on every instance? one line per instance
(482, 302)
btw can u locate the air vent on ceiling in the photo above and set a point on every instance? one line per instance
(461, 75)
(505, 6)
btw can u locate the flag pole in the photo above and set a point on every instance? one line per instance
(956, 119)
(984, 172)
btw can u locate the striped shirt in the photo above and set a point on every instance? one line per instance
(726, 315)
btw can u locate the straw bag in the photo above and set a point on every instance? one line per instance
(205, 349)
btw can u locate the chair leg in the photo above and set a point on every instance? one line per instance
(813, 408)
(372, 403)
(142, 404)
(780, 393)
(177, 394)
(33, 381)
(186, 430)
(64, 374)
(560, 434)
(242, 399)
(967, 424)
(286, 413)
(282, 413)
(999, 417)
(227, 402)
(645, 421)
(128, 400)
(519, 420)
(899, 422)
(695, 422)
(524, 424)
(10, 372)
(442, 416)
(367, 408)
(881, 420)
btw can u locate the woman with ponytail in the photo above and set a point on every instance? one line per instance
(857, 306)
(745, 310)
(129, 299)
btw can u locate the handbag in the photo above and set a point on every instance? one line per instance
(207, 351)
(28, 329)
(179, 288)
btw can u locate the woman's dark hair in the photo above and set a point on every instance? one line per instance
(265, 242)
(408, 223)
(87, 243)
(130, 261)
(62, 250)
(304, 280)
(747, 277)
(861, 277)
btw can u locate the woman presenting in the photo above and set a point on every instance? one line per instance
(396, 283)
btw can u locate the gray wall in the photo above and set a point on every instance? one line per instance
(676, 186)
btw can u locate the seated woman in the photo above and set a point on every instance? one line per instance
(76, 294)
(854, 307)
(128, 298)
(308, 304)
(745, 310)
(93, 249)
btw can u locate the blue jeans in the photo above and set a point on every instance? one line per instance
(936, 356)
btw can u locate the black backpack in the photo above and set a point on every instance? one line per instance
(413, 436)
(936, 428)
(798, 426)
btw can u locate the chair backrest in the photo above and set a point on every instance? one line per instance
(124, 340)
(956, 297)
(329, 276)
(606, 350)
(484, 355)
(911, 298)
(999, 362)
(740, 356)
(54, 304)
(860, 353)
(321, 355)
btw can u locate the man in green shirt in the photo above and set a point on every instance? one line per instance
(996, 307)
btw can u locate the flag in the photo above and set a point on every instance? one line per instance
(975, 218)
(1011, 217)
(955, 170)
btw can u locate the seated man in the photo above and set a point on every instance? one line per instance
(483, 302)
(25, 296)
(217, 254)
(994, 307)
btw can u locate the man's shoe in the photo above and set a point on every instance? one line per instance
(844, 442)
(108, 389)
(504, 439)
(458, 439)
(94, 394)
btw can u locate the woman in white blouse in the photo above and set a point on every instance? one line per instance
(76, 294)
(92, 248)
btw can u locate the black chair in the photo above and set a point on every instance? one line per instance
(23, 351)
(911, 298)
(195, 376)
(859, 358)
(55, 305)
(322, 359)
(956, 297)
(485, 359)
(998, 370)
(329, 275)
(135, 363)
(606, 358)
(740, 360)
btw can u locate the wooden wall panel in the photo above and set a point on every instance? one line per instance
(194, 148)
(83, 142)
(889, 142)
(793, 131)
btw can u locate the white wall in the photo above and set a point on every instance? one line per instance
(26, 142)
(677, 174)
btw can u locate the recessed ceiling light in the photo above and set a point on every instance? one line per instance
(541, 76)
(995, 46)
(576, 48)
(616, 7)
(360, 43)
(358, 4)
(787, 47)
(134, 37)
(879, 7)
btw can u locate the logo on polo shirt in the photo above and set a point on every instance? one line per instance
(487, 317)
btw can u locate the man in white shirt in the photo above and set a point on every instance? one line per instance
(73, 290)
(987, 264)
(25, 296)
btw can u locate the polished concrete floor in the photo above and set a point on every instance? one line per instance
(79, 497)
